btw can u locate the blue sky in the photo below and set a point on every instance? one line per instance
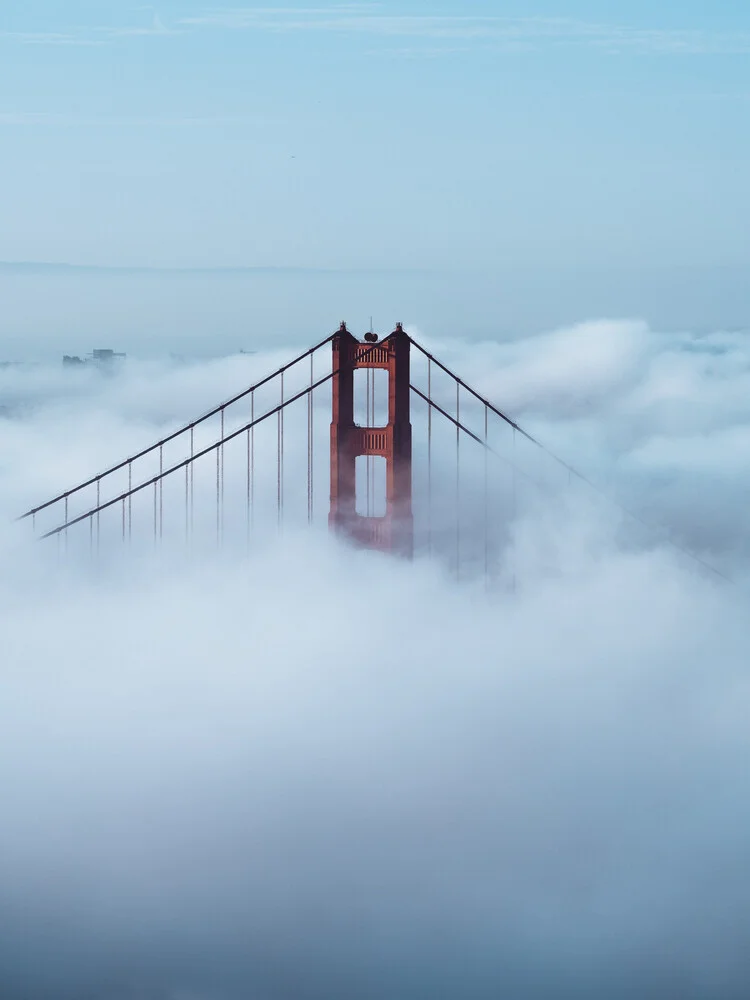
(594, 157)
(374, 135)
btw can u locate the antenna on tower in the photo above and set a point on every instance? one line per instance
(371, 337)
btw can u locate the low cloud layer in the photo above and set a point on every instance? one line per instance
(324, 773)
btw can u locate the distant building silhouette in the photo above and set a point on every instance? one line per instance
(102, 357)
(105, 356)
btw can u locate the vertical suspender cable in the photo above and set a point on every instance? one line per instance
(310, 444)
(252, 461)
(156, 496)
(161, 491)
(192, 480)
(486, 495)
(218, 499)
(458, 481)
(278, 460)
(123, 519)
(66, 521)
(98, 514)
(281, 414)
(429, 455)
(514, 502)
(307, 401)
(130, 502)
(187, 503)
(247, 496)
(222, 474)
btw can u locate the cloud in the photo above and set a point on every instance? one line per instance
(490, 30)
(429, 34)
(156, 27)
(48, 38)
(325, 773)
(56, 120)
(88, 35)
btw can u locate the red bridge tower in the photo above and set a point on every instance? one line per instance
(395, 531)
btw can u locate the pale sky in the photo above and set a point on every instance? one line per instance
(568, 149)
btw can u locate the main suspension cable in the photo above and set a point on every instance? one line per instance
(517, 471)
(195, 456)
(175, 434)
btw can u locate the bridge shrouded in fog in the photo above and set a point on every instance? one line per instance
(400, 455)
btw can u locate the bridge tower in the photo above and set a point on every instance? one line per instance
(393, 532)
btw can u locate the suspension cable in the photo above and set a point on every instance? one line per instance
(520, 472)
(278, 461)
(62, 529)
(281, 418)
(218, 479)
(221, 486)
(161, 492)
(175, 434)
(310, 415)
(429, 455)
(192, 481)
(130, 501)
(458, 481)
(486, 496)
(252, 461)
(514, 504)
(247, 491)
(503, 416)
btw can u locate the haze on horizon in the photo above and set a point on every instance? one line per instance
(485, 169)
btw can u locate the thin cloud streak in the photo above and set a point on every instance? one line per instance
(92, 35)
(495, 32)
(49, 38)
(60, 120)
(526, 32)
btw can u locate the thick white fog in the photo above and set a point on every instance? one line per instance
(318, 772)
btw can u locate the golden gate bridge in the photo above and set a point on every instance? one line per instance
(238, 469)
